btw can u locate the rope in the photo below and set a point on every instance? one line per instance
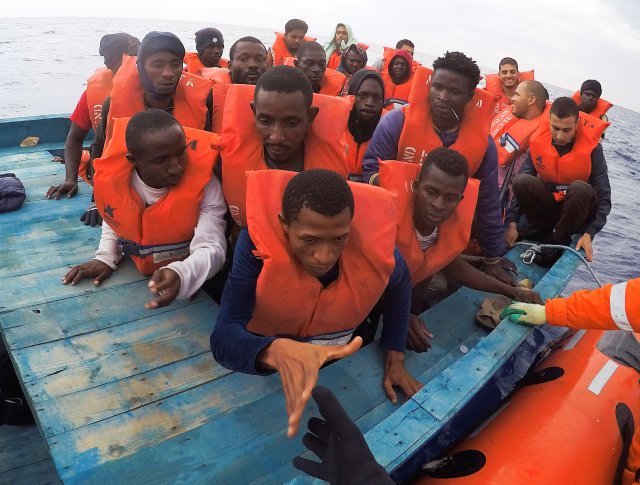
(529, 255)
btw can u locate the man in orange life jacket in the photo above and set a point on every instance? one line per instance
(397, 79)
(295, 31)
(312, 61)
(436, 203)
(589, 99)
(368, 89)
(507, 81)
(352, 60)
(163, 175)
(563, 186)
(511, 135)
(306, 273)
(612, 307)
(404, 44)
(446, 115)
(85, 117)
(159, 72)
(279, 125)
(209, 48)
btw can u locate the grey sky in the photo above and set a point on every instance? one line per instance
(565, 41)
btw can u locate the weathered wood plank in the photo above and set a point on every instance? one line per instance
(20, 446)
(42, 473)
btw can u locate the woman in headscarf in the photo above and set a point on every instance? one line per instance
(342, 38)
(353, 59)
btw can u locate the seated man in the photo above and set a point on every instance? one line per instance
(281, 125)
(152, 170)
(154, 79)
(563, 186)
(446, 109)
(513, 126)
(504, 83)
(436, 205)
(353, 59)
(341, 39)
(307, 272)
(209, 48)
(88, 111)
(286, 45)
(312, 61)
(382, 64)
(247, 62)
(398, 79)
(368, 89)
(589, 99)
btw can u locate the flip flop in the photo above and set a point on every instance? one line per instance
(489, 314)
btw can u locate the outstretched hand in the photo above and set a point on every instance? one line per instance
(57, 191)
(529, 313)
(418, 337)
(345, 456)
(395, 374)
(298, 364)
(165, 284)
(93, 269)
(585, 243)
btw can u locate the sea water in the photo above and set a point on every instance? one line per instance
(46, 63)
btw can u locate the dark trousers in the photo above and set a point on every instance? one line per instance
(565, 217)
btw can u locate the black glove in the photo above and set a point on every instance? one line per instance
(346, 457)
(91, 217)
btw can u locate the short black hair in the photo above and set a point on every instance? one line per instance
(563, 107)
(535, 88)
(144, 122)
(507, 60)
(405, 42)
(295, 24)
(460, 63)
(309, 46)
(448, 160)
(320, 190)
(247, 38)
(285, 79)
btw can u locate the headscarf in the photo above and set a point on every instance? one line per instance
(207, 37)
(156, 42)
(343, 59)
(112, 46)
(363, 133)
(331, 46)
(406, 56)
(591, 85)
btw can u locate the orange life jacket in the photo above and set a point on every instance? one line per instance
(355, 153)
(127, 97)
(84, 165)
(195, 65)
(631, 474)
(280, 51)
(511, 134)
(388, 53)
(98, 88)
(494, 86)
(156, 235)
(453, 233)
(289, 300)
(242, 148)
(575, 165)
(601, 107)
(611, 307)
(418, 136)
(334, 60)
(221, 78)
(396, 95)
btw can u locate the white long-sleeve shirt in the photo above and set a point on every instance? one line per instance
(208, 248)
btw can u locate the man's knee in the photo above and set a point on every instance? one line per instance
(581, 190)
(521, 182)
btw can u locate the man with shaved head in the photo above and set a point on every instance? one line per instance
(312, 61)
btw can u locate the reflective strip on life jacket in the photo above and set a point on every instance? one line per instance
(618, 301)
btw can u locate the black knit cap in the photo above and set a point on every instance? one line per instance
(207, 37)
(591, 85)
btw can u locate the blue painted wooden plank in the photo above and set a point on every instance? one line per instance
(33, 213)
(20, 446)
(69, 365)
(59, 319)
(49, 128)
(42, 472)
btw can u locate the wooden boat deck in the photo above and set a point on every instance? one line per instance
(125, 394)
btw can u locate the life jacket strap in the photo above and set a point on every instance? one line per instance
(134, 249)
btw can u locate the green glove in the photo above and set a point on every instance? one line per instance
(528, 313)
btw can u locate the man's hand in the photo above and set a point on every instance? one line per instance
(501, 269)
(345, 456)
(91, 217)
(165, 284)
(57, 191)
(418, 337)
(525, 313)
(512, 234)
(93, 268)
(57, 159)
(585, 243)
(525, 295)
(298, 364)
(396, 375)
